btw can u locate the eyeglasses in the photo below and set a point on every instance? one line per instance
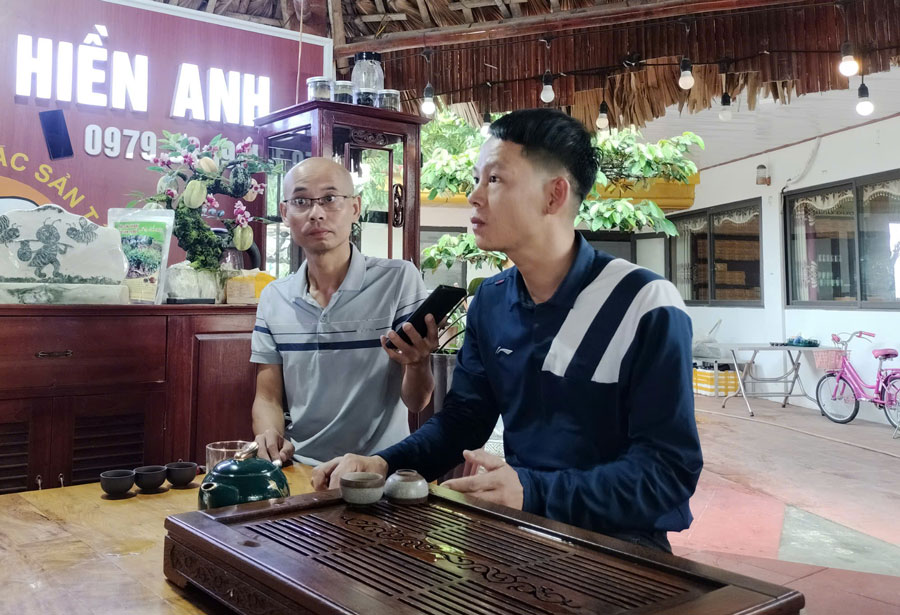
(329, 202)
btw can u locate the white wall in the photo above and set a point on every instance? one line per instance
(845, 155)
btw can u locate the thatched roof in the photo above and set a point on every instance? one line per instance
(490, 54)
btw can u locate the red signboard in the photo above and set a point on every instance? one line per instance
(121, 73)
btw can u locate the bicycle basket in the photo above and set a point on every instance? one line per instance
(828, 359)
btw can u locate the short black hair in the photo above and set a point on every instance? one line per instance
(552, 136)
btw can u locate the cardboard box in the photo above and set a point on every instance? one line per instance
(246, 288)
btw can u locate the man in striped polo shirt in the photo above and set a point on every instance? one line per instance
(319, 333)
(586, 357)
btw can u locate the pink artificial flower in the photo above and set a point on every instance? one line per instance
(162, 160)
(244, 146)
(188, 159)
(171, 193)
(194, 141)
(241, 216)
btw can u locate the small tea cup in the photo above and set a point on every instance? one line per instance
(117, 482)
(181, 473)
(406, 487)
(362, 488)
(149, 478)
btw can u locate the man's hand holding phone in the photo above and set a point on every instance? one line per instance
(418, 350)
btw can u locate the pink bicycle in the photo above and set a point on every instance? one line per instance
(841, 389)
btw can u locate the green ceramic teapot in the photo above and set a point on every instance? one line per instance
(245, 478)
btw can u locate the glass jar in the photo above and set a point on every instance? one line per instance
(365, 96)
(367, 71)
(343, 92)
(388, 99)
(318, 88)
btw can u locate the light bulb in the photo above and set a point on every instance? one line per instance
(603, 116)
(864, 106)
(428, 106)
(486, 125)
(686, 81)
(848, 66)
(547, 93)
(725, 113)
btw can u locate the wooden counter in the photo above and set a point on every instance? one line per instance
(72, 551)
(84, 389)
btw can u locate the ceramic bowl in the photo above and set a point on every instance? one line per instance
(148, 478)
(361, 488)
(406, 487)
(181, 473)
(117, 482)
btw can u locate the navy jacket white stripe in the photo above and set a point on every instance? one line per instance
(595, 390)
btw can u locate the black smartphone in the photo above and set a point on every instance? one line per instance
(56, 135)
(439, 303)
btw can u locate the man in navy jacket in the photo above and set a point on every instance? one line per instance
(586, 357)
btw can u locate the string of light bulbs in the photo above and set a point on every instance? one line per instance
(686, 79)
(847, 66)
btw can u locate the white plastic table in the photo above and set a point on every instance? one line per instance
(791, 378)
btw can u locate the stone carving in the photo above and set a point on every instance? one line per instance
(48, 255)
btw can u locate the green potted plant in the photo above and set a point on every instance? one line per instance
(191, 176)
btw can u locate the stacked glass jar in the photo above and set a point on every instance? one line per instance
(365, 88)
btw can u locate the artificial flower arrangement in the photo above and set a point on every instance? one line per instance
(191, 177)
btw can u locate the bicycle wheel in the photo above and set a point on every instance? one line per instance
(836, 399)
(891, 406)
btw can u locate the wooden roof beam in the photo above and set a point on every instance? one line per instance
(479, 4)
(266, 21)
(604, 15)
(338, 34)
(376, 18)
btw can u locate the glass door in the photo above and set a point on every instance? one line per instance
(375, 160)
(282, 256)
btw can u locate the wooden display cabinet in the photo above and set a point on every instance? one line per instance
(378, 146)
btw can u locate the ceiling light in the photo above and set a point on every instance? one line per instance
(428, 106)
(848, 66)
(547, 93)
(725, 113)
(864, 106)
(686, 81)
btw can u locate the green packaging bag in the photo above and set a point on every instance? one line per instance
(146, 234)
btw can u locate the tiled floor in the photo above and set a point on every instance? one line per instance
(792, 498)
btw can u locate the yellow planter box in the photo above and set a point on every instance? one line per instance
(705, 382)
(670, 196)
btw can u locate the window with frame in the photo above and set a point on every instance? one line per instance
(822, 245)
(716, 257)
(844, 243)
(879, 242)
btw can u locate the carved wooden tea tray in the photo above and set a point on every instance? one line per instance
(451, 556)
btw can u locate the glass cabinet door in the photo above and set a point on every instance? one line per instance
(375, 160)
(288, 148)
